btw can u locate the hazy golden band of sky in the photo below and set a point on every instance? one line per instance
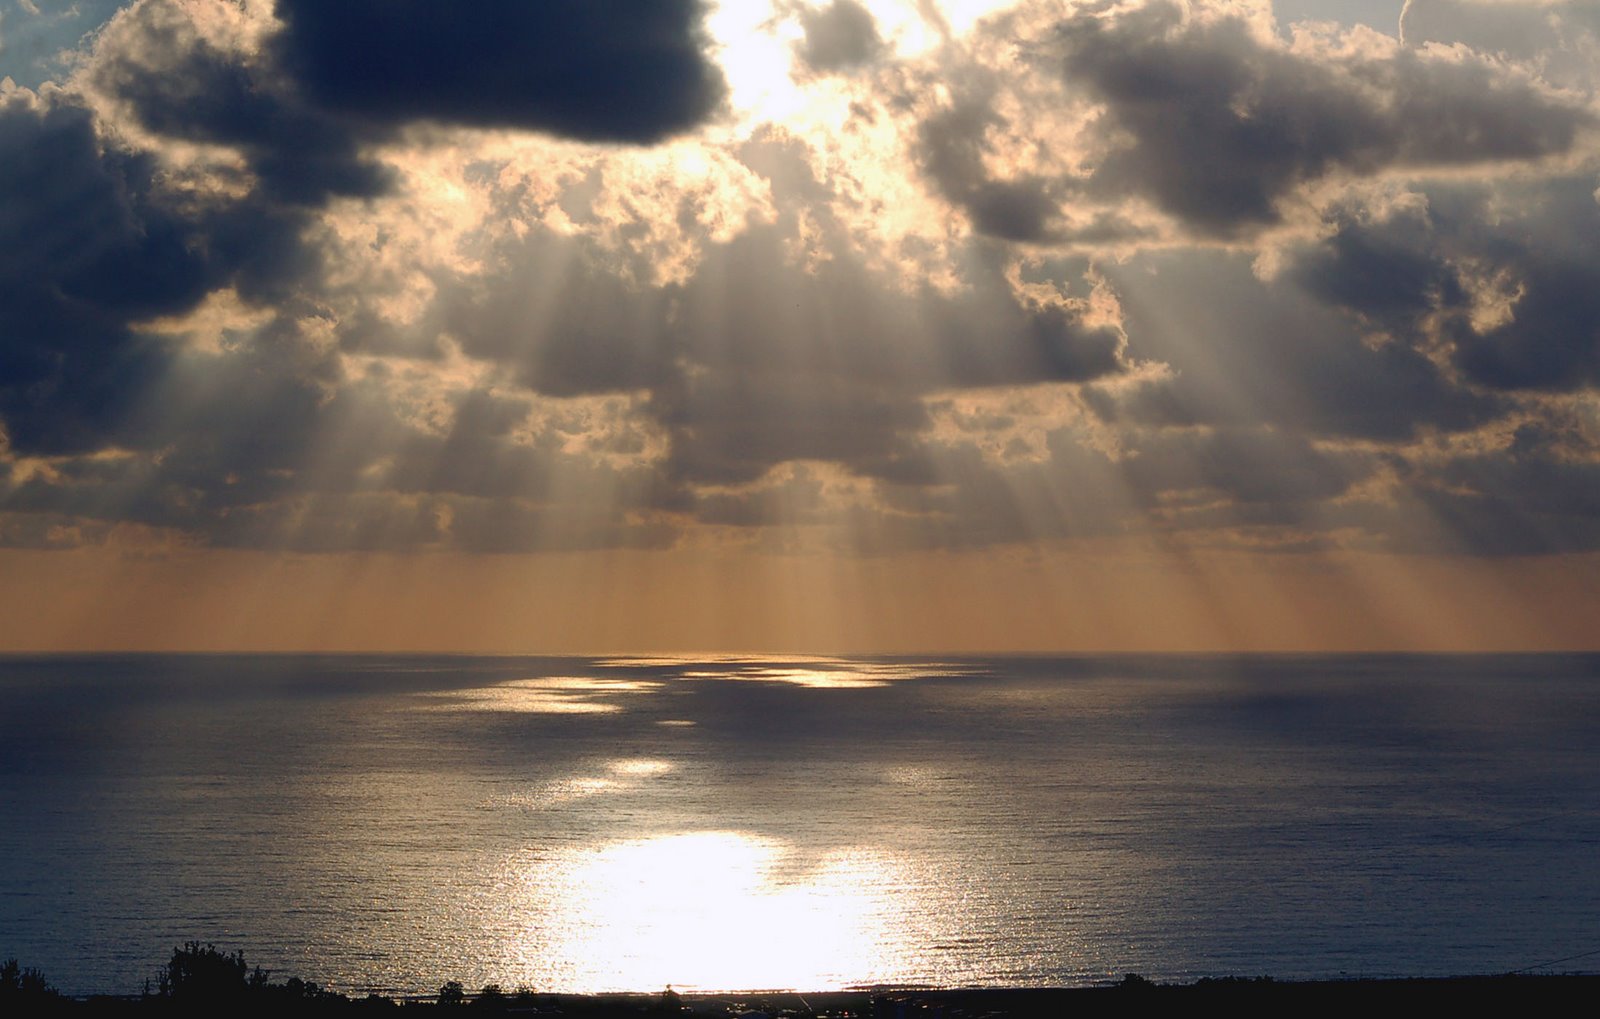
(93, 600)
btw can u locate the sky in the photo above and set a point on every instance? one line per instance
(856, 325)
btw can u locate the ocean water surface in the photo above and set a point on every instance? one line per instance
(390, 823)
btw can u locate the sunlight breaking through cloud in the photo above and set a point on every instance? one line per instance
(840, 279)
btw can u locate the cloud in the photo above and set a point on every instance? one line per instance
(306, 97)
(1251, 466)
(755, 362)
(760, 358)
(194, 163)
(1539, 495)
(157, 64)
(1206, 115)
(1506, 282)
(1243, 350)
(598, 70)
(1217, 123)
(1560, 38)
(84, 252)
(839, 37)
(952, 151)
(1533, 493)
(306, 277)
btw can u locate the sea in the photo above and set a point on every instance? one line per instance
(389, 823)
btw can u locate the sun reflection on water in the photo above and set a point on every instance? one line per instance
(619, 775)
(827, 679)
(546, 695)
(815, 671)
(639, 767)
(711, 910)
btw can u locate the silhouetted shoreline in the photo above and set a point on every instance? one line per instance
(201, 977)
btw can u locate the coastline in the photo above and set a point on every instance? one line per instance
(1250, 994)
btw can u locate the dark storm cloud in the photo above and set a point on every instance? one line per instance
(799, 499)
(791, 372)
(1216, 126)
(181, 86)
(951, 147)
(94, 240)
(1244, 351)
(84, 252)
(1248, 466)
(267, 442)
(1071, 491)
(1500, 282)
(474, 456)
(979, 505)
(750, 307)
(1553, 338)
(599, 70)
(259, 456)
(1534, 249)
(1539, 495)
(339, 77)
(1180, 481)
(750, 364)
(319, 522)
(731, 428)
(235, 433)
(1498, 524)
(1390, 275)
(92, 248)
(838, 37)
(565, 321)
(1550, 336)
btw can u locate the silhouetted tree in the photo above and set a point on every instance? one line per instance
(205, 973)
(524, 1000)
(452, 993)
(491, 997)
(16, 982)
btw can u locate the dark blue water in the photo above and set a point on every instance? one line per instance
(584, 824)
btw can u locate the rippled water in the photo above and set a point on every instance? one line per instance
(586, 824)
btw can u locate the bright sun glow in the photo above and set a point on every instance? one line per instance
(712, 910)
(754, 49)
(755, 45)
